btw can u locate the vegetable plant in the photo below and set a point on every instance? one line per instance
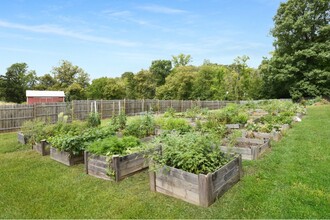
(141, 126)
(114, 145)
(192, 152)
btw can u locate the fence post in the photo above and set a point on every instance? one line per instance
(125, 106)
(72, 110)
(34, 111)
(101, 109)
(142, 105)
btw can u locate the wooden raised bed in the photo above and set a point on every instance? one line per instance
(43, 147)
(235, 126)
(200, 189)
(249, 148)
(21, 138)
(66, 158)
(121, 166)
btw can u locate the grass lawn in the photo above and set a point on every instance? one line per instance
(292, 181)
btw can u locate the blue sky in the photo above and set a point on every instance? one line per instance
(110, 37)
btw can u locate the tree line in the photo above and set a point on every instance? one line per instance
(299, 67)
(165, 79)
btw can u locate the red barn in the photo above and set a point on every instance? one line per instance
(35, 96)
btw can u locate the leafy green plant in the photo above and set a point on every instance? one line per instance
(170, 112)
(77, 143)
(141, 127)
(32, 129)
(93, 119)
(178, 124)
(231, 114)
(114, 145)
(191, 152)
(119, 121)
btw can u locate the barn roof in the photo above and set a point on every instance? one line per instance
(37, 93)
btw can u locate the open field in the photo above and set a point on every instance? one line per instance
(292, 181)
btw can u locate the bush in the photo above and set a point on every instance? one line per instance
(192, 152)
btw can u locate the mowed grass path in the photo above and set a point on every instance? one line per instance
(292, 181)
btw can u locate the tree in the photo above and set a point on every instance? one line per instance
(75, 92)
(114, 89)
(129, 84)
(145, 85)
(179, 84)
(16, 81)
(45, 82)
(181, 60)
(300, 66)
(97, 88)
(209, 83)
(160, 69)
(67, 73)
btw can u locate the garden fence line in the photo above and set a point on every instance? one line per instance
(13, 116)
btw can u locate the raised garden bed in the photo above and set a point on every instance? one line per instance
(21, 138)
(249, 148)
(43, 147)
(235, 126)
(66, 158)
(114, 168)
(200, 189)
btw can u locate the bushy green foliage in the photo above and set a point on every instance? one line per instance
(32, 130)
(93, 119)
(231, 114)
(141, 126)
(170, 112)
(78, 142)
(300, 63)
(119, 121)
(179, 124)
(192, 152)
(114, 145)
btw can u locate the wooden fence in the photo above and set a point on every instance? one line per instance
(13, 116)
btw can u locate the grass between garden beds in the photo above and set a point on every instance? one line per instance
(292, 181)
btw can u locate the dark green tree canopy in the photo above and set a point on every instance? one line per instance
(160, 69)
(16, 81)
(300, 66)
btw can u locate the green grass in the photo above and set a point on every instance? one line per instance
(292, 181)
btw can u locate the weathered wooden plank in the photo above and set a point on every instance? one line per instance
(239, 150)
(173, 181)
(42, 148)
(234, 126)
(98, 174)
(205, 189)
(180, 174)
(179, 188)
(171, 193)
(65, 157)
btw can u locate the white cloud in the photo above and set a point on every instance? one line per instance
(51, 29)
(161, 9)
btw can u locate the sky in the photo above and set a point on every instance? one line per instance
(110, 37)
